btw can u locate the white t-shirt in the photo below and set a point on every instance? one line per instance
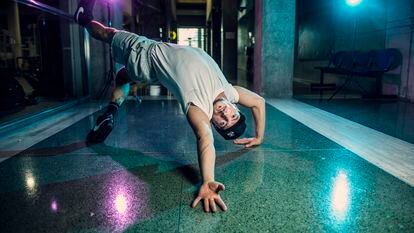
(189, 73)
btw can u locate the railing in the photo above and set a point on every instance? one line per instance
(46, 8)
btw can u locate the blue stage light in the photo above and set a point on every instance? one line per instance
(353, 3)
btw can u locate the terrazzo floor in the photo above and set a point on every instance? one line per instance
(145, 176)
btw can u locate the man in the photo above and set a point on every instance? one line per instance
(194, 79)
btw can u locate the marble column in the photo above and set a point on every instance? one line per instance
(274, 48)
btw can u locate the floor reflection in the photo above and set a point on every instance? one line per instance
(340, 197)
(125, 200)
(54, 206)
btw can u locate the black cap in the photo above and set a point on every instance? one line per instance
(234, 131)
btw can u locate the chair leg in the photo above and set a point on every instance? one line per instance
(346, 83)
(378, 86)
(321, 81)
(360, 87)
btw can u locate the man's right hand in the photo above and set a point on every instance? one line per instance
(209, 194)
(248, 142)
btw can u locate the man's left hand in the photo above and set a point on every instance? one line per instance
(208, 193)
(248, 142)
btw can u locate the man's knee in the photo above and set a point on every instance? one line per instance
(122, 77)
(108, 34)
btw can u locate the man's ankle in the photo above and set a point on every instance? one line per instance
(112, 108)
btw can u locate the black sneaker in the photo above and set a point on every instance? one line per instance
(103, 127)
(83, 15)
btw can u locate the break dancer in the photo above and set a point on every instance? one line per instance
(194, 79)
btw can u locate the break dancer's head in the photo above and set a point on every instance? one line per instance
(227, 119)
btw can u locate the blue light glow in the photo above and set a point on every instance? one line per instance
(340, 197)
(353, 3)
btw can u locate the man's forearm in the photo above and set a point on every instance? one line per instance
(206, 158)
(257, 105)
(205, 142)
(259, 115)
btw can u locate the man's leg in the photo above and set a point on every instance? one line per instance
(84, 17)
(120, 94)
(100, 32)
(105, 122)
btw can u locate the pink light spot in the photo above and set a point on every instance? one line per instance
(126, 200)
(121, 204)
(54, 206)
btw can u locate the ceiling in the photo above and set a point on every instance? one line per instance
(191, 7)
(191, 1)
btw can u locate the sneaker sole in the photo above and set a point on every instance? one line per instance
(99, 135)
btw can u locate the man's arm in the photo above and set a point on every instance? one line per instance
(208, 192)
(205, 142)
(257, 105)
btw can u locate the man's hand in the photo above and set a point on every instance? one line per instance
(248, 142)
(258, 107)
(206, 158)
(209, 194)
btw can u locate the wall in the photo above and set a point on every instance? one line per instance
(152, 17)
(324, 27)
(99, 51)
(399, 34)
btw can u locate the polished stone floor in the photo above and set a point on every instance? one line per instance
(392, 117)
(145, 176)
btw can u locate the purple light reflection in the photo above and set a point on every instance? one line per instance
(113, 2)
(54, 206)
(121, 203)
(126, 200)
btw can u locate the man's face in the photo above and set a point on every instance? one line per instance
(225, 114)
